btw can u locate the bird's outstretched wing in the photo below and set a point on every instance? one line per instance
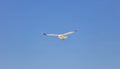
(68, 33)
(50, 34)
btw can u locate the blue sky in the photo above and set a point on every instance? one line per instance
(95, 46)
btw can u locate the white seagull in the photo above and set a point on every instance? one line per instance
(61, 36)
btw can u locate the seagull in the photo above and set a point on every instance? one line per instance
(61, 36)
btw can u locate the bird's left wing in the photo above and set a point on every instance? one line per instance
(68, 33)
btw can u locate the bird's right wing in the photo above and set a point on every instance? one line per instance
(50, 34)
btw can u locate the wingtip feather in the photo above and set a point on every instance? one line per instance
(44, 34)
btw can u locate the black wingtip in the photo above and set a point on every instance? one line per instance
(44, 34)
(76, 30)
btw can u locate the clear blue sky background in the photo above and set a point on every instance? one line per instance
(95, 46)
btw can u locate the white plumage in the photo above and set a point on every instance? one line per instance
(61, 36)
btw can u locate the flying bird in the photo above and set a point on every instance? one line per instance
(61, 36)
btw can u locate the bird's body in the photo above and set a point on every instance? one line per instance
(61, 36)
